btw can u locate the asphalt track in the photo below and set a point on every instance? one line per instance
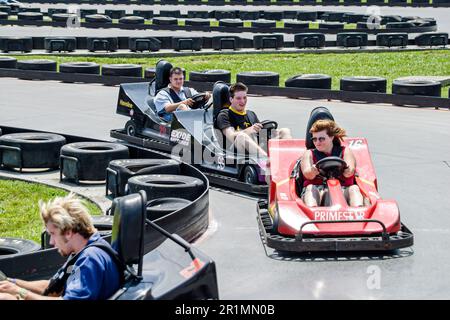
(411, 155)
(440, 14)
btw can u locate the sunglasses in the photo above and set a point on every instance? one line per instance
(321, 139)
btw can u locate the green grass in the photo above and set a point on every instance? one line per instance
(19, 210)
(390, 65)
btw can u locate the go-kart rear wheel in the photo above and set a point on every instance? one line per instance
(131, 128)
(250, 175)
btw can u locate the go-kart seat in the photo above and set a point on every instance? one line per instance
(221, 98)
(162, 74)
(128, 230)
(318, 113)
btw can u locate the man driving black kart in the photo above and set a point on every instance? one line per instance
(242, 126)
(175, 97)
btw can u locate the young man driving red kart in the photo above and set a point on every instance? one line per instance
(327, 137)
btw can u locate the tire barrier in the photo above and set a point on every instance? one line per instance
(64, 17)
(5, 9)
(351, 39)
(390, 19)
(98, 18)
(432, 39)
(149, 73)
(296, 25)
(309, 40)
(399, 25)
(210, 76)
(259, 78)
(351, 17)
(115, 13)
(37, 64)
(164, 21)
(290, 15)
(80, 67)
(23, 44)
(144, 44)
(87, 161)
(198, 14)
(68, 44)
(103, 222)
(366, 84)
(87, 12)
(8, 62)
(224, 14)
(273, 15)
(120, 171)
(53, 11)
(265, 41)
(30, 16)
(331, 25)
(226, 43)
(132, 20)
(236, 23)
(307, 15)
(161, 207)
(146, 14)
(197, 22)
(249, 15)
(316, 81)
(166, 185)
(16, 246)
(187, 43)
(170, 13)
(392, 40)
(264, 23)
(3, 16)
(102, 44)
(417, 87)
(334, 16)
(123, 70)
(31, 150)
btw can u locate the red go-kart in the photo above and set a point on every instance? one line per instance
(287, 224)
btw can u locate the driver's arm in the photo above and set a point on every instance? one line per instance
(37, 286)
(349, 158)
(171, 107)
(309, 170)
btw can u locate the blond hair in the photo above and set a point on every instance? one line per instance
(67, 213)
(333, 130)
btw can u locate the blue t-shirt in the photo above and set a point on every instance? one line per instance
(95, 275)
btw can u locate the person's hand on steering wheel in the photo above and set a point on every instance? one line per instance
(207, 95)
(189, 102)
(254, 128)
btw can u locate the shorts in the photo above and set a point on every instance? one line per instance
(322, 187)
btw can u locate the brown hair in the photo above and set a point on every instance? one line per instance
(333, 130)
(238, 86)
(68, 213)
(175, 70)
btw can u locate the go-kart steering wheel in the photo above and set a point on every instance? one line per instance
(269, 124)
(331, 167)
(199, 100)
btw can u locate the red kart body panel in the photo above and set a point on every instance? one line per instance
(293, 213)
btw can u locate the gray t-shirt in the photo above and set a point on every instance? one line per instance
(163, 98)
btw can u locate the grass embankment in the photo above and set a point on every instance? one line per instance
(390, 65)
(19, 210)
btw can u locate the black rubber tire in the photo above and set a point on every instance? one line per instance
(161, 207)
(24, 44)
(146, 14)
(144, 44)
(93, 159)
(249, 15)
(87, 12)
(103, 222)
(273, 15)
(164, 21)
(5, 9)
(264, 23)
(63, 17)
(351, 17)
(366, 84)
(197, 22)
(392, 39)
(187, 43)
(30, 16)
(170, 13)
(316, 81)
(210, 76)
(307, 15)
(127, 168)
(98, 18)
(132, 20)
(8, 62)
(417, 87)
(80, 67)
(198, 14)
(39, 150)
(250, 175)
(115, 13)
(262, 78)
(429, 38)
(331, 25)
(296, 25)
(309, 40)
(276, 41)
(167, 185)
(124, 70)
(235, 23)
(150, 73)
(3, 15)
(225, 14)
(400, 25)
(292, 15)
(390, 18)
(38, 64)
(107, 43)
(63, 44)
(131, 128)
(351, 39)
(16, 246)
(226, 42)
(334, 16)
(53, 11)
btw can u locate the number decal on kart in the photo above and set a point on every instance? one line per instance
(354, 144)
(220, 163)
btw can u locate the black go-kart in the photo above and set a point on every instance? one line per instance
(191, 136)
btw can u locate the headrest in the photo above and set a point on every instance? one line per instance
(128, 227)
(162, 74)
(318, 113)
(221, 97)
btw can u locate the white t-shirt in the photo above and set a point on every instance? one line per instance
(163, 98)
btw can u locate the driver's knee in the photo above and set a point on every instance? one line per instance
(311, 197)
(355, 197)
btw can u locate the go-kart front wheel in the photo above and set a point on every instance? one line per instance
(250, 175)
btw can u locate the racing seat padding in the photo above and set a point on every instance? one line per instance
(318, 113)
(162, 74)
